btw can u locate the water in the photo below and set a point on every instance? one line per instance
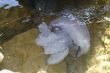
(21, 54)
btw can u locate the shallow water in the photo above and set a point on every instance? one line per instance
(17, 41)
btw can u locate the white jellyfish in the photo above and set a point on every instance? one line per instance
(77, 30)
(69, 31)
(54, 43)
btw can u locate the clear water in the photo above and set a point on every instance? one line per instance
(18, 32)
